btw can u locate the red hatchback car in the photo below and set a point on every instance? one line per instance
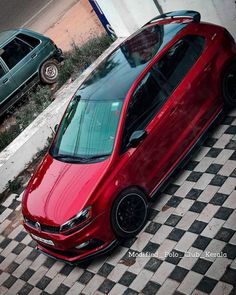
(130, 124)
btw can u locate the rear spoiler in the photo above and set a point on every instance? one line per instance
(196, 16)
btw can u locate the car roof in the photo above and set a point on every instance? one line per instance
(113, 78)
(8, 34)
(5, 35)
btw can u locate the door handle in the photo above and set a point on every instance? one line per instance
(207, 67)
(5, 81)
(172, 110)
(33, 55)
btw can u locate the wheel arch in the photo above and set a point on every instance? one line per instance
(230, 60)
(227, 64)
(130, 187)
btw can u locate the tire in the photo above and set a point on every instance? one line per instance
(49, 71)
(129, 213)
(229, 85)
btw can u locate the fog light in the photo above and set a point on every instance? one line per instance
(82, 245)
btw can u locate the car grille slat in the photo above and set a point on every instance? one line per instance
(44, 228)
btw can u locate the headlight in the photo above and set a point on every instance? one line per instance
(78, 219)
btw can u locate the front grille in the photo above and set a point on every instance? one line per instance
(44, 228)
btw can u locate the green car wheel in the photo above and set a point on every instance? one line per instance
(49, 71)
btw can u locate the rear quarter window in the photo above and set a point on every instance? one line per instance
(179, 59)
(33, 42)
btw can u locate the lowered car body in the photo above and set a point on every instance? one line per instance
(127, 128)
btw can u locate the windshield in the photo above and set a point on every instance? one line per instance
(87, 129)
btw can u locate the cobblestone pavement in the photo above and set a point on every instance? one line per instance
(194, 220)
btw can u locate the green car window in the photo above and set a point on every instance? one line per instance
(88, 128)
(14, 52)
(31, 41)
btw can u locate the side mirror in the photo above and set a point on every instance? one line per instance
(136, 137)
(55, 128)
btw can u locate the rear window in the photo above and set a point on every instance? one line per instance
(33, 42)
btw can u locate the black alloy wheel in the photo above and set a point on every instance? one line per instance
(129, 213)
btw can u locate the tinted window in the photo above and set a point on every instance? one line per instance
(126, 63)
(88, 128)
(2, 72)
(179, 59)
(145, 102)
(33, 42)
(14, 52)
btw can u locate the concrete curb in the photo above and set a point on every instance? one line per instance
(15, 157)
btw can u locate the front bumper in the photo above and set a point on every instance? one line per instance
(97, 234)
(80, 258)
(59, 55)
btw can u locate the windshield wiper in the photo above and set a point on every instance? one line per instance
(77, 159)
(68, 158)
(93, 157)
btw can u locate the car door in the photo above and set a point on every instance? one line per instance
(19, 58)
(7, 84)
(171, 131)
(189, 88)
(179, 127)
(148, 110)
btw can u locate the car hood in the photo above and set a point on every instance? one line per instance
(60, 190)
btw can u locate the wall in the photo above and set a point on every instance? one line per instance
(126, 16)
(215, 11)
(77, 25)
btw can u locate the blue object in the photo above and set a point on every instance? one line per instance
(103, 18)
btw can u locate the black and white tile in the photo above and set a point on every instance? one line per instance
(190, 223)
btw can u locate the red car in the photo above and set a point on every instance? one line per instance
(126, 129)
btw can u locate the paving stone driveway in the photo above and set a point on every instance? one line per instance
(193, 221)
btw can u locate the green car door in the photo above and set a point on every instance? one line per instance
(7, 84)
(21, 59)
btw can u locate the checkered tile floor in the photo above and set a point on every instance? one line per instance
(191, 224)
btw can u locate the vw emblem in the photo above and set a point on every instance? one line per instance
(38, 226)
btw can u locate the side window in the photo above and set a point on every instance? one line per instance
(179, 59)
(2, 72)
(145, 102)
(14, 52)
(31, 41)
